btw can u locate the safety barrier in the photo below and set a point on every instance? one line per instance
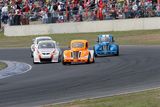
(82, 27)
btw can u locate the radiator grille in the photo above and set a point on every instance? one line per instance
(76, 54)
(104, 47)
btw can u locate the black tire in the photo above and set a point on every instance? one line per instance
(64, 63)
(35, 62)
(31, 54)
(89, 57)
(93, 60)
(94, 52)
(69, 63)
(117, 54)
(59, 58)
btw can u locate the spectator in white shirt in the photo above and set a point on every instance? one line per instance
(5, 9)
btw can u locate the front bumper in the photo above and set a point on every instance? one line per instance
(106, 52)
(46, 58)
(83, 60)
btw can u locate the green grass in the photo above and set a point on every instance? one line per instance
(2, 65)
(145, 37)
(149, 98)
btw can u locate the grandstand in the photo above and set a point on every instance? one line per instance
(24, 12)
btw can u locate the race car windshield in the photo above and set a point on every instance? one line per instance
(42, 40)
(77, 45)
(104, 39)
(46, 45)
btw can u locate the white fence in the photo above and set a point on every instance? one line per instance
(82, 27)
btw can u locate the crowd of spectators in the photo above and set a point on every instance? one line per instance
(22, 12)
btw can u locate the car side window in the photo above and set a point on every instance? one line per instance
(86, 44)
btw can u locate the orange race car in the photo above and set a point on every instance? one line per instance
(79, 53)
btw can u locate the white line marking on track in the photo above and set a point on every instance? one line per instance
(13, 69)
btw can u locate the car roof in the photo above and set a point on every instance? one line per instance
(43, 37)
(105, 35)
(84, 41)
(47, 41)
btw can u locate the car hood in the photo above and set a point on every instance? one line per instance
(104, 43)
(46, 50)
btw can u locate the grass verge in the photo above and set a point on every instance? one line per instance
(140, 37)
(2, 65)
(149, 98)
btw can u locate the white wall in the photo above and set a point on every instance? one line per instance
(81, 27)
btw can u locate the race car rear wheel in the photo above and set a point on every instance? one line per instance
(35, 62)
(59, 58)
(117, 54)
(31, 54)
(64, 63)
(94, 52)
(93, 60)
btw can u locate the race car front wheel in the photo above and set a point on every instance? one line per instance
(89, 58)
(64, 63)
(59, 58)
(93, 60)
(31, 54)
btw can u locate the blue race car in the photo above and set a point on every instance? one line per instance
(105, 46)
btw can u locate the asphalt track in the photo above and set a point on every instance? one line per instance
(14, 68)
(137, 68)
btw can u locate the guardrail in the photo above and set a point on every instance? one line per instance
(82, 27)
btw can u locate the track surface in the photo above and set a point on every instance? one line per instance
(136, 68)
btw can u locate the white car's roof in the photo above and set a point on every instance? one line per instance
(47, 41)
(43, 37)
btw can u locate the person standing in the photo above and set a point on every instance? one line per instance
(17, 18)
(5, 14)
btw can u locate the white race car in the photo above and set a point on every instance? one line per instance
(36, 41)
(47, 51)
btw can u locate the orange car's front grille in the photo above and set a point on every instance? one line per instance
(76, 54)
